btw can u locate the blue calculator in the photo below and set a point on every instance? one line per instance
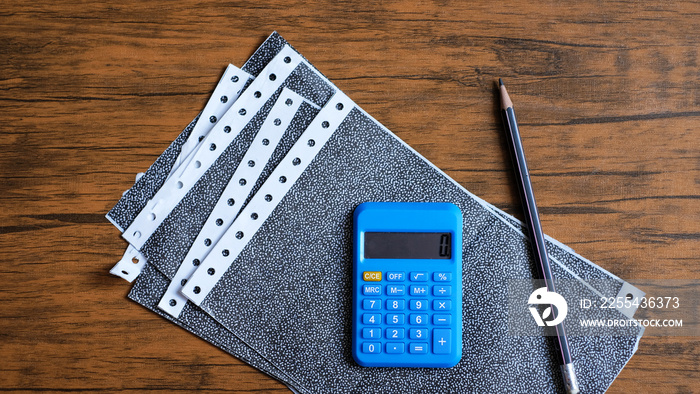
(407, 285)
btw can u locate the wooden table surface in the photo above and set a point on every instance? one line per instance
(607, 96)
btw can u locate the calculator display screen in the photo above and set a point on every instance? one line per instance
(408, 245)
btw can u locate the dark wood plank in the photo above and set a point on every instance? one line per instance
(606, 94)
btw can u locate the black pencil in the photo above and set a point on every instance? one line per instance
(539, 249)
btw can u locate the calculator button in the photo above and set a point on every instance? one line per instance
(442, 291)
(371, 333)
(371, 304)
(395, 276)
(419, 290)
(395, 333)
(395, 305)
(442, 305)
(418, 318)
(418, 333)
(371, 318)
(442, 276)
(442, 341)
(419, 276)
(372, 276)
(372, 289)
(418, 305)
(371, 347)
(418, 348)
(395, 347)
(395, 319)
(396, 290)
(442, 320)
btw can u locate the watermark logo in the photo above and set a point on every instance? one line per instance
(543, 297)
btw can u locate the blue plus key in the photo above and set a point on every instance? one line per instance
(442, 341)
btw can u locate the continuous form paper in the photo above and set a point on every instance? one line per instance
(287, 294)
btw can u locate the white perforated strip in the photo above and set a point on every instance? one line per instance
(235, 193)
(230, 125)
(225, 94)
(130, 265)
(266, 199)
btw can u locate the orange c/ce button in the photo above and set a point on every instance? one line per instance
(372, 276)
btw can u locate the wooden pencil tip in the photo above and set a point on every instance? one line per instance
(505, 99)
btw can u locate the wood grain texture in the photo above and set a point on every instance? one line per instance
(607, 95)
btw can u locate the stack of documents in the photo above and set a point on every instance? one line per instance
(240, 232)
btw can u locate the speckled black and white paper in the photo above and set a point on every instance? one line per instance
(288, 295)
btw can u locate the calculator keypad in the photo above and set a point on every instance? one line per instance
(418, 320)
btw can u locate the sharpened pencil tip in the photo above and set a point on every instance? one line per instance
(505, 99)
